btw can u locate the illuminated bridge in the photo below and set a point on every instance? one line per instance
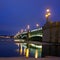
(35, 35)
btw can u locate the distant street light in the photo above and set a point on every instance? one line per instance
(28, 30)
(22, 30)
(25, 30)
(47, 14)
(28, 27)
(37, 25)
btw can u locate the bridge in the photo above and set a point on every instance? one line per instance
(35, 35)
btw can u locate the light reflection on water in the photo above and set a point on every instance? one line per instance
(8, 48)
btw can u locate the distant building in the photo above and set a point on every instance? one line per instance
(51, 35)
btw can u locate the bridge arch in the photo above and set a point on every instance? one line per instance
(24, 37)
(35, 38)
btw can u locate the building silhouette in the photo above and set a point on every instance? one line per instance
(51, 35)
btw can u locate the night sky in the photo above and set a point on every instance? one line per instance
(17, 14)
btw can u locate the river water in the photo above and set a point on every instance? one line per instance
(8, 48)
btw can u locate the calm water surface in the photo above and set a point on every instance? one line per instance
(8, 48)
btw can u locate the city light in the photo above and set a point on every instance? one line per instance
(28, 27)
(47, 10)
(22, 30)
(37, 25)
(25, 30)
(47, 13)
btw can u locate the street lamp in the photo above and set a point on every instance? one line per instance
(28, 30)
(36, 51)
(47, 14)
(22, 30)
(28, 27)
(37, 25)
(50, 29)
(27, 49)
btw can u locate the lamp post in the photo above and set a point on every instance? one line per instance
(28, 29)
(50, 30)
(36, 51)
(47, 14)
(38, 26)
(27, 49)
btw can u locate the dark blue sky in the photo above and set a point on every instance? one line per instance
(17, 14)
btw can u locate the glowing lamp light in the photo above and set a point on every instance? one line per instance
(47, 10)
(49, 13)
(46, 15)
(28, 26)
(25, 29)
(37, 25)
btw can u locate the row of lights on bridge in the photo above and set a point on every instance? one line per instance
(28, 28)
(37, 25)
